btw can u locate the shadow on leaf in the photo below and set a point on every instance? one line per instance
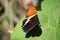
(35, 32)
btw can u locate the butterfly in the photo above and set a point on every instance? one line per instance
(31, 20)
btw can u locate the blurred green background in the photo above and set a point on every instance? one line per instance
(50, 23)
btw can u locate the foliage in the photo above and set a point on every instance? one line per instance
(50, 23)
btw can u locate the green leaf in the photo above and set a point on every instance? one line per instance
(50, 23)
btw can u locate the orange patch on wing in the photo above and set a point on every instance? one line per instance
(31, 11)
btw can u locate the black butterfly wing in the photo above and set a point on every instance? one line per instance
(31, 24)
